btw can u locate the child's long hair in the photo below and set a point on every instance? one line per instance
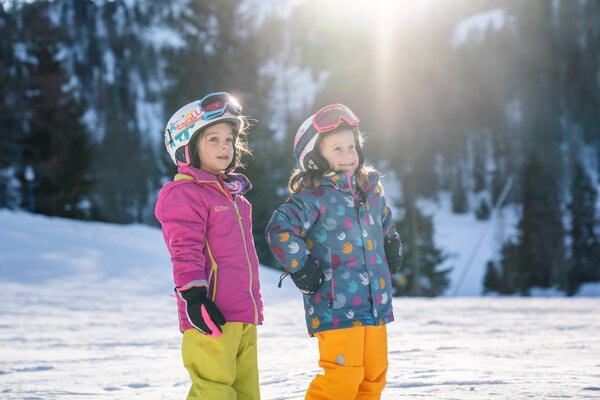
(241, 144)
(300, 179)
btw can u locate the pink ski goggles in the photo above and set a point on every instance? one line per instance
(329, 117)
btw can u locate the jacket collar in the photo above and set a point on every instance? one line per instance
(347, 182)
(339, 180)
(235, 183)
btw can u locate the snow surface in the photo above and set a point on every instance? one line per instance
(87, 313)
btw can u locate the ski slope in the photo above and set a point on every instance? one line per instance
(87, 313)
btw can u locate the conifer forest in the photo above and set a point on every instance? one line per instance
(454, 96)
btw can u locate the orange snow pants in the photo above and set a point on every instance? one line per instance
(223, 368)
(354, 362)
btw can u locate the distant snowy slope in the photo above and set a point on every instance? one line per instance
(36, 248)
(468, 243)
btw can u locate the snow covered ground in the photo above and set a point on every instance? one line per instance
(86, 312)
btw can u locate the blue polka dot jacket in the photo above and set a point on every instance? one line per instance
(343, 229)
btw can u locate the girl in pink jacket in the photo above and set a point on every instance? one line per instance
(207, 226)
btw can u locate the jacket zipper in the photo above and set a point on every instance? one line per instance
(360, 203)
(237, 212)
(332, 279)
(247, 260)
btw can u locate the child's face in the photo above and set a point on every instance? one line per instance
(339, 149)
(215, 147)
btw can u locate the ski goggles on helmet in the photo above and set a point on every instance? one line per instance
(215, 104)
(329, 117)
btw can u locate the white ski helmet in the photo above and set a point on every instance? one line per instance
(195, 116)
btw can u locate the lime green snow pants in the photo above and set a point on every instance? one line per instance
(223, 368)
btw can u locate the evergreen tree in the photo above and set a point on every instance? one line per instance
(479, 167)
(190, 66)
(126, 167)
(460, 203)
(10, 86)
(585, 264)
(537, 258)
(55, 142)
(491, 280)
(502, 278)
(541, 229)
(483, 211)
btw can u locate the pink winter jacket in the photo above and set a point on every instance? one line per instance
(208, 232)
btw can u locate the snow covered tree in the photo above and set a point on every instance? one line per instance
(10, 147)
(47, 118)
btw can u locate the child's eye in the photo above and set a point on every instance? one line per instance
(230, 139)
(212, 139)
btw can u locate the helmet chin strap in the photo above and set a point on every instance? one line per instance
(186, 153)
(232, 165)
(230, 168)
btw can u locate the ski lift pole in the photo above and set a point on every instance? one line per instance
(495, 211)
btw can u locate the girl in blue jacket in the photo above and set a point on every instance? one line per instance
(336, 238)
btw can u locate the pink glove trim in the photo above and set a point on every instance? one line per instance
(216, 332)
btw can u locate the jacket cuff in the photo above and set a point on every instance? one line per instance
(197, 283)
(193, 277)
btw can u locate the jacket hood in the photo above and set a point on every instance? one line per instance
(236, 183)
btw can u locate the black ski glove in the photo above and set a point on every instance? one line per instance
(393, 252)
(309, 279)
(202, 312)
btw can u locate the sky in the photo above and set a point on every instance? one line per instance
(87, 312)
